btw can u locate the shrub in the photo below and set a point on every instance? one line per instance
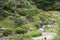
(35, 33)
(18, 21)
(22, 12)
(20, 31)
(7, 32)
(28, 26)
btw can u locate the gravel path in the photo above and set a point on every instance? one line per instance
(48, 36)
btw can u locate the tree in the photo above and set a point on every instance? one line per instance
(44, 4)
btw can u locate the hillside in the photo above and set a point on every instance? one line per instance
(28, 17)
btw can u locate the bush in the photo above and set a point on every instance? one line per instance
(35, 33)
(20, 31)
(18, 21)
(7, 32)
(28, 26)
(30, 14)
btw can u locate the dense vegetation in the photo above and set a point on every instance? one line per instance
(19, 16)
(47, 4)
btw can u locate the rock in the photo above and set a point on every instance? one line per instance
(2, 29)
(41, 29)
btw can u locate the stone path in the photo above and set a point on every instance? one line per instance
(49, 36)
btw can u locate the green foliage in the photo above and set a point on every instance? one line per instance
(22, 12)
(28, 26)
(7, 32)
(58, 28)
(44, 4)
(58, 23)
(7, 23)
(35, 33)
(14, 8)
(52, 30)
(26, 14)
(18, 37)
(18, 21)
(30, 13)
(20, 30)
(47, 4)
(45, 18)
